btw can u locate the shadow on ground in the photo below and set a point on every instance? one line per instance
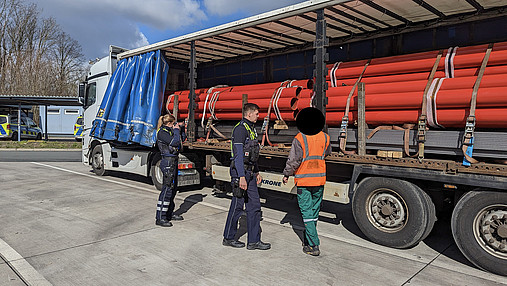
(440, 239)
(189, 202)
(147, 180)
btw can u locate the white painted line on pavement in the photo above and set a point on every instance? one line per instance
(127, 185)
(273, 221)
(98, 178)
(360, 242)
(22, 268)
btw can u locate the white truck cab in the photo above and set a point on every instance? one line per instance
(104, 156)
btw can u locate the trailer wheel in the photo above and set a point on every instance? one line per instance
(432, 215)
(156, 173)
(479, 227)
(97, 160)
(392, 212)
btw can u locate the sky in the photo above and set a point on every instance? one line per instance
(96, 24)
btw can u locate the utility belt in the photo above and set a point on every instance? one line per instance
(247, 167)
(173, 150)
(170, 156)
(168, 150)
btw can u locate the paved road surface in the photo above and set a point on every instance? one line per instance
(40, 156)
(70, 227)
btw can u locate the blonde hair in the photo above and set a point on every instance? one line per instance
(165, 119)
(168, 118)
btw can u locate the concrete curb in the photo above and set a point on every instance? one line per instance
(22, 268)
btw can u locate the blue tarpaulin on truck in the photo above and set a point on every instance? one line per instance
(133, 101)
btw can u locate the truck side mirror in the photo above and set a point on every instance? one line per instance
(82, 94)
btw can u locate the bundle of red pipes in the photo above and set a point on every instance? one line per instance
(394, 90)
(225, 103)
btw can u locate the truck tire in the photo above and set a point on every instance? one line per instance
(392, 212)
(432, 215)
(479, 227)
(155, 172)
(97, 160)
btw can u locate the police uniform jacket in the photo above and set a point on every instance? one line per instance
(170, 141)
(244, 137)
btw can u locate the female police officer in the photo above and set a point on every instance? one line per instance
(169, 141)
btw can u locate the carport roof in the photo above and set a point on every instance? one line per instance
(294, 25)
(38, 100)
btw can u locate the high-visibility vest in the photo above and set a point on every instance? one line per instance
(252, 135)
(312, 171)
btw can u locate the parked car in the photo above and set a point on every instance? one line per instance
(9, 128)
(78, 128)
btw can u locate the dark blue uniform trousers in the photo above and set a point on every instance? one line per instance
(253, 212)
(165, 204)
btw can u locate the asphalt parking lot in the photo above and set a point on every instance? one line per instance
(62, 225)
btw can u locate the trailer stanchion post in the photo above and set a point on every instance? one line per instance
(245, 101)
(191, 95)
(175, 107)
(320, 58)
(361, 120)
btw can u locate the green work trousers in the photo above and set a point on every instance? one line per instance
(309, 200)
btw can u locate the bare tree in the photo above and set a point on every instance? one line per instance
(21, 31)
(68, 60)
(36, 55)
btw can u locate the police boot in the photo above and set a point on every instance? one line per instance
(233, 243)
(163, 222)
(176, 217)
(259, 245)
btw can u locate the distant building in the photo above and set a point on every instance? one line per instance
(61, 119)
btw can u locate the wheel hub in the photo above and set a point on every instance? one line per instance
(387, 210)
(97, 161)
(502, 231)
(493, 229)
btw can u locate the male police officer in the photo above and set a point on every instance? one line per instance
(245, 177)
(306, 161)
(169, 141)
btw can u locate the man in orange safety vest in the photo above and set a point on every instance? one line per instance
(306, 162)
